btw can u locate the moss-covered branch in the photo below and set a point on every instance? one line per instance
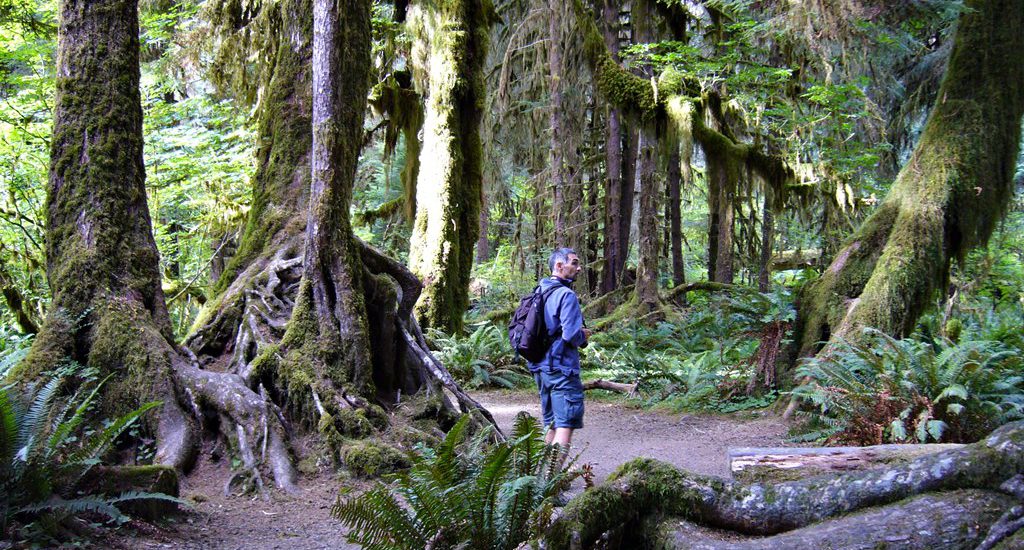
(946, 199)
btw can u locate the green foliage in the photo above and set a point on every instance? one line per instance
(49, 443)
(889, 390)
(709, 361)
(462, 494)
(482, 359)
(13, 348)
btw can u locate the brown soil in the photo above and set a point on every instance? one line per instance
(613, 434)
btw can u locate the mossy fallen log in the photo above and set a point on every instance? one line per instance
(643, 488)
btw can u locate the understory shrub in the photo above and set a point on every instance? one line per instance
(49, 442)
(883, 390)
(721, 357)
(465, 493)
(482, 359)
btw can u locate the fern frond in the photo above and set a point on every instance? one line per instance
(378, 521)
(33, 426)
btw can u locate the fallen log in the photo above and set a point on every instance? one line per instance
(643, 488)
(599, 384)
(759, 464)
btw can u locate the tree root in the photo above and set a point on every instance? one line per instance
(258, 423)
(251, 317)
(644, 487)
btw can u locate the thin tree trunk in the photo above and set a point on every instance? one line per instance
(646, 291)
(559, 205)
(767, 236)
(611, 271)
(483, 247)
(630, 155)
(675, 231)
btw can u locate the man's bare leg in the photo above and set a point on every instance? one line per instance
(561, 436)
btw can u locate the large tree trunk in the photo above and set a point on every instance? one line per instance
(971, 488)
(451, 173)
(947, 198)
(108, 309)
(327, 345)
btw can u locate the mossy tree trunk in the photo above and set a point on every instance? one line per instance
(959, 495)
(947, 198)
(108, 309)
(645, 293)
(672, 214)
(327, 345)
(450, 179)
(611, 270)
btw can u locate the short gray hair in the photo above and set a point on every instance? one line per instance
(560, 255)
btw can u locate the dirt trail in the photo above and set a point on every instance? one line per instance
(612, 435)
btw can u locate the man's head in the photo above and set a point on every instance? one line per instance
(565, 264)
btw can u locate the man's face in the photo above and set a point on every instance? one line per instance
(569, 269)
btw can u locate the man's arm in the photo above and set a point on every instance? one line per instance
(572, 321)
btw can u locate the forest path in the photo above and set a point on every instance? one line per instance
(613, 434)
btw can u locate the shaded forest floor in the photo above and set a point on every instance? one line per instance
(613, 434)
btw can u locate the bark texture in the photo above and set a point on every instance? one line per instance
(972, 487)
(108, 310)
(327, 346)
(946, 199)
(449, 187)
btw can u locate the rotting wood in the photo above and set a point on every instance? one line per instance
(749, 463)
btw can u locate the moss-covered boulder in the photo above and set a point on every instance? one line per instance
(370, 459)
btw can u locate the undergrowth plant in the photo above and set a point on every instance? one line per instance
(465, 493)
(888, 390)
(482, 359)
(49, 442)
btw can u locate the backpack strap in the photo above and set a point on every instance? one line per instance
(543, 298)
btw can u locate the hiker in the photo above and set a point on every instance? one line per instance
(558, 373)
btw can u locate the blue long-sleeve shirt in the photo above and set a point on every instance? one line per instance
(562, 311)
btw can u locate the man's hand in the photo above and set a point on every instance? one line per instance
(587, 332)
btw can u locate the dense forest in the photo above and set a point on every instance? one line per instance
(286, 236)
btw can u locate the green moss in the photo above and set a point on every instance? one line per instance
(369, 459)
(449, 187)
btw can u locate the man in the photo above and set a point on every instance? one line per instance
(558, 373)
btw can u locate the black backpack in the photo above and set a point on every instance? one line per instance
(526, 330)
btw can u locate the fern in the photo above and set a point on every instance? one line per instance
(885, 389)
(490, 499)
(47, 446)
